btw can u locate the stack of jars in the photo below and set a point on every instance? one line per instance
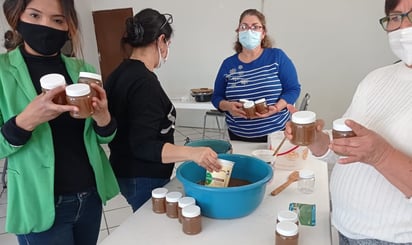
(78, 94)
(175, 206)
(287, 228)
(251, 107)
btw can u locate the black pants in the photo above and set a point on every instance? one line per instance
(261, 139)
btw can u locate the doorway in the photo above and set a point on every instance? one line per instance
(109, 28)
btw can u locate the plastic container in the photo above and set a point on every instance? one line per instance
(172, 199)
(184, 202)
(80, 96)
(219, 146)
(220, 178)
(88, 78)
(191, 220)
(287, 233)
(159, 200)
(249, 108)
(340, 130)
(227, 202)
(261, 106)
(265, 155)
(286, 215)
(303, 128)
(51, 81)
(306, 181)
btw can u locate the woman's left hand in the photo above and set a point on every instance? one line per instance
(367, 146)
(101, 111)
(271, 110)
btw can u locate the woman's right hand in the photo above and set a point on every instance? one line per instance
(42, 109)
(321, 144)
(205, 157)
(233, 107)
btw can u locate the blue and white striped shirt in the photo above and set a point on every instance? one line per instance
(271, 76)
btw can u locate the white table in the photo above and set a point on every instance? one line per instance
(146, 227)
(190, 103)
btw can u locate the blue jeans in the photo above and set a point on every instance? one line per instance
(77, 221)
(138, 190)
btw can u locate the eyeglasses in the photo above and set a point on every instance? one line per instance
(393, 21)
(169, 19)
(254, 27)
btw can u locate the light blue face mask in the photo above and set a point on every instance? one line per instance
(250, 39)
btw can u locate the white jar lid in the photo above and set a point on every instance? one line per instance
(248, 104)
(306, 174)
(286, 215)
(159, 192)
(94, 76)
(339, 125)
(243, 100)
(52, 80)
(78, 89)
(303, 117)
(191, 211)
(173, 196)
(263, 100)
(287, 228)
(186, 201)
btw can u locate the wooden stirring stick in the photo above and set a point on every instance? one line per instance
(294, 176)
(280, 145)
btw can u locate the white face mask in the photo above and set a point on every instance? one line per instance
(400, 42)
(161, 59)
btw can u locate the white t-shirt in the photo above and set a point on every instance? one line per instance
(365, 205)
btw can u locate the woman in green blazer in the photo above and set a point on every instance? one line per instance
(58, 174)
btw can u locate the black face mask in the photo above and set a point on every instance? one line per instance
(43, 39)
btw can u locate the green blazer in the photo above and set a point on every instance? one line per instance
(30, 174)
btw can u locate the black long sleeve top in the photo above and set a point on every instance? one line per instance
(145, 117)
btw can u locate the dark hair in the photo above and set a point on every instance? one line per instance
(146, 26)
(13, 9)
(390, 5)
(11, 40)
(266, 42)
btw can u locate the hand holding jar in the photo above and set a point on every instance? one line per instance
(320, 144)
(101, 112)
(367, 146)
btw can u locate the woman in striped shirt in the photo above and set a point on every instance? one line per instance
(255, 72)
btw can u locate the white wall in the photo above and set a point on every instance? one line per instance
(203, 37)
(89, 46)
(333, 43)
(4, 26)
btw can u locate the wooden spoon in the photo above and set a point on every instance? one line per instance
(280, 145)
(294, 176)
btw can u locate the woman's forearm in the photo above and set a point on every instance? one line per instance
(397, 169)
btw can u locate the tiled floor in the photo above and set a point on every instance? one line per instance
(117, 209)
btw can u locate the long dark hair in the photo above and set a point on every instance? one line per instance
(13, 9)
(146, 26)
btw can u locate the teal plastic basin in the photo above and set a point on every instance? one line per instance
(227, 202)
(219, 146)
